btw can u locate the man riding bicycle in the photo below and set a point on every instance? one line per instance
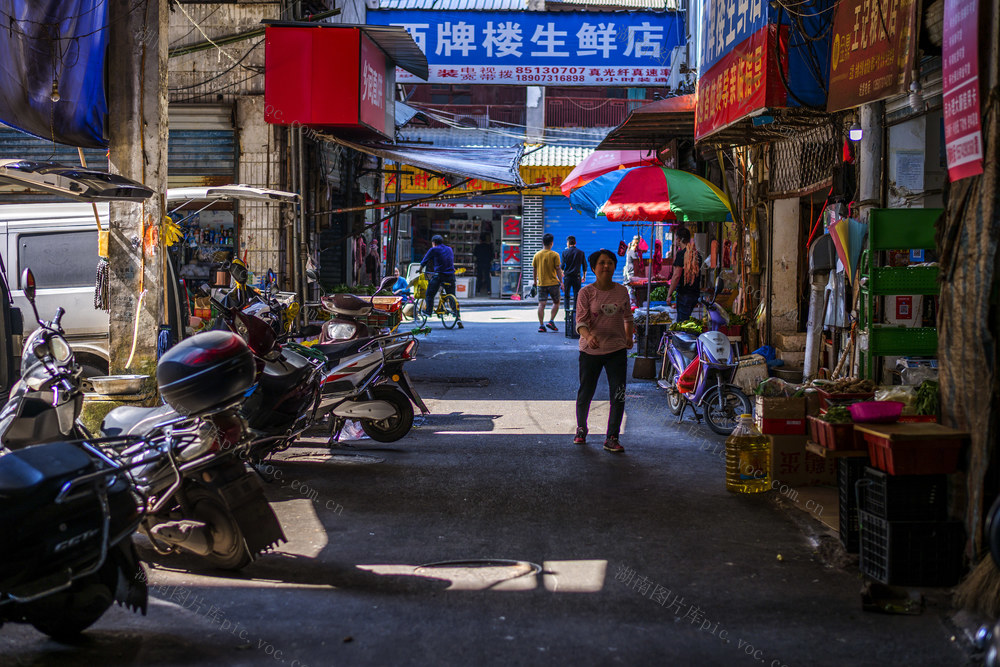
(440, 260)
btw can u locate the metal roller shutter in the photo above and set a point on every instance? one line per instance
(202, 147)
(562, 221)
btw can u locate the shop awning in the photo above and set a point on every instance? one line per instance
(491, 164)
(654, 125)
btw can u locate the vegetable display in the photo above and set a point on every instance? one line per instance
(837, 414)
(927, 398)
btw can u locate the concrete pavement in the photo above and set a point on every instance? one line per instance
(593, 558)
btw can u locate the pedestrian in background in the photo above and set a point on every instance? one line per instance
(604, 322)
(574, 266)
(686, 276)
(440, 260)
(632, 261)
(548, 277)
(483, 253)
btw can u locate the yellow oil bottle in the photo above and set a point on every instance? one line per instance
(748, 459)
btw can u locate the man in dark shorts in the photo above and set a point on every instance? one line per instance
(548, 278)
(574, 266)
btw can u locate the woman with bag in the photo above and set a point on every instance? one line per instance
(604, 322)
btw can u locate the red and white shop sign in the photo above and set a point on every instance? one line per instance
(963, 134)
(511, 228)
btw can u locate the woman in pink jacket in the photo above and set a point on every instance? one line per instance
(604, 322)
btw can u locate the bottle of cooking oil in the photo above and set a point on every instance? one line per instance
(748, 459)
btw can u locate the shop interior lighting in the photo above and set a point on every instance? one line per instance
(855, 132)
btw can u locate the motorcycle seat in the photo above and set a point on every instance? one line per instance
(684, 341)
(346, 304)
(337, 350)
(23, 470)
(129, 420)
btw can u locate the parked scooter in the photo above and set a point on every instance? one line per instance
(67, 513)
(67, 510)
(364, 376)
(713, 392)
(202, 499)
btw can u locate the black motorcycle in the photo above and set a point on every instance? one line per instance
(183, 456)
(67, 510)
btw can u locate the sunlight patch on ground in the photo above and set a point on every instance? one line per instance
(520, 417)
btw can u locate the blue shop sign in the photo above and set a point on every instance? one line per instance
(543, 48)
(726, 23)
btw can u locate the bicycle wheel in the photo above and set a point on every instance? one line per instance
(449, 311)
(419, 315)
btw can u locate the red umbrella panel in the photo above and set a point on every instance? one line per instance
(601, 162)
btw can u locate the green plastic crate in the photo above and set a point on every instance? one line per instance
(904, 280)
(902, 228)
(888, 341)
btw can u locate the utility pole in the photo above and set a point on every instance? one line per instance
(137, 125)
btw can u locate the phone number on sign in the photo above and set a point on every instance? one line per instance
(549, 77)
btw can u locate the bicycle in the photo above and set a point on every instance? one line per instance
(447, 309)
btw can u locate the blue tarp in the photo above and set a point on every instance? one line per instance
(62, 41)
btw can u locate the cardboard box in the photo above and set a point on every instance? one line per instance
(791, 464)
(780, 408)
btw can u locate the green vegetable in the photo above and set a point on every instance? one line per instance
(659, 293)
(927, 398)
(837, 414)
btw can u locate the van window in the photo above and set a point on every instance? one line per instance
(59, 259)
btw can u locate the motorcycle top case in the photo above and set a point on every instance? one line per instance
(208, 372)
(45, 539)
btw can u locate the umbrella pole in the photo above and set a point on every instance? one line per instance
(649, 283)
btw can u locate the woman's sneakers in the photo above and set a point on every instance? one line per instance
(581, 436)
(612, 445)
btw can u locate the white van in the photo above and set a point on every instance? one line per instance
(59, 243)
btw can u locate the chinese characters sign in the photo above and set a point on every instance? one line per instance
(962, 133)
(874, 42)
(742, 82)
(371, 107)
(421, 182)
(528, 48)
(727, 23)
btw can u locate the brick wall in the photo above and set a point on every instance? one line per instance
(532, 228)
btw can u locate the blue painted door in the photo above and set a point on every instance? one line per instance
(591, 235)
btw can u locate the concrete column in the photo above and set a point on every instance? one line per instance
(137, 124)
(870, 158)
(535, 114)
(783, 266)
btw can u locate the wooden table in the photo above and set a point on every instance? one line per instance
(912, 431)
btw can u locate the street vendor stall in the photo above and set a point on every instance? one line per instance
(653, 198)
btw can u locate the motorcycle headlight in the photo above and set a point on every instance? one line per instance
(339, 330)
(61, 351)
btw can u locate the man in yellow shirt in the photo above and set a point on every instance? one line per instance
(548, 279)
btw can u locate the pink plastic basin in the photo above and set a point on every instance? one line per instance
(870, 412)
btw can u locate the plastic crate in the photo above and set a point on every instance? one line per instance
(914, 457)
(832, 436)
(906, 497)
(380, 319)
(887, 280)
(570, 325)
(911, 553)
(889, 341)
(849, 471)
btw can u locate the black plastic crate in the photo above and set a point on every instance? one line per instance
(849, 470)
(911, 553)
(570, 326)
(905, 497)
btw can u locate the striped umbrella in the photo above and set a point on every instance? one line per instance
(651, 194)
(601, 162)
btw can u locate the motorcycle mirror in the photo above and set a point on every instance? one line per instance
(239, 273)
(719, 284)
(28, 285)
(386, 282)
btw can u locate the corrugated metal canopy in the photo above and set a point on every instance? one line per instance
(493, 164)
(654, 125)
(394, 40)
